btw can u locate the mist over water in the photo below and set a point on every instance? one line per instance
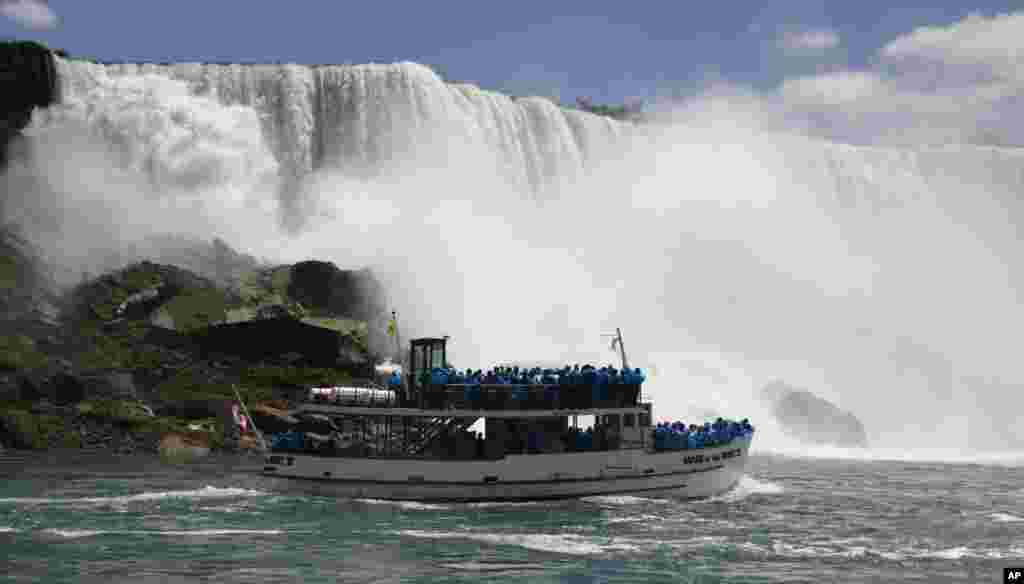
(730, 254)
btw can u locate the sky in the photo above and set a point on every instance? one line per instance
(609, 51)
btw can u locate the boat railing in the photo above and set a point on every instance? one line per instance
(486, 397)
(529, 396)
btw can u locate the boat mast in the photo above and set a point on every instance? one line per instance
(398, 339)
(622, 348)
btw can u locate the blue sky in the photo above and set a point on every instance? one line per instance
(607, 50)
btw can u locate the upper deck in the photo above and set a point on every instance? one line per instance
(480, 400)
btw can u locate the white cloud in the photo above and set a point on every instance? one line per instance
(34, 14)
(963, 82)
(975, 39)
(811, 40)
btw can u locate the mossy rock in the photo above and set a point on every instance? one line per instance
(345, 326)
(34, 431)
(105, 353)
(262, 379)
(280, 279)
(121, 411)
(10, 272)
(196, 309)
(195, 385)
(18, 352)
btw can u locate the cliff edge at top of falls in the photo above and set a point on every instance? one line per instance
(28, 79)
(813, 419)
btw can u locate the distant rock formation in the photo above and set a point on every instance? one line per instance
(813, 419)
(28, 79)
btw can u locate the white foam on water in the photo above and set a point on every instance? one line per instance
(410, 505)
(7, 530)
(207, 492)
(645, 518)
(956, 553)
(748, 486)
(73, 533)
(1005, 518)
(486, 504)
(617, 500)
(568, 544)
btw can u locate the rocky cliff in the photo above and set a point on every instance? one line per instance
(154, 350)
(28, 79)
(813, 419)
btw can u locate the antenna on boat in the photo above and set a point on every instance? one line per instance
(618, 344)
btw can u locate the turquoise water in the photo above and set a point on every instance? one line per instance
(69, 518)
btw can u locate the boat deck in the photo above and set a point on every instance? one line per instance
(465, 412)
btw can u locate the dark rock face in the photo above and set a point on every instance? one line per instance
(268, 339)
(197, 409)
(116, 386)
(68, 389)
(813, 419)
(349, 293)
(28, 79)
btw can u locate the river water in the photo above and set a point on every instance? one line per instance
(97, 518)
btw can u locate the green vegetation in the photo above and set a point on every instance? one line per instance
(196, 309)
(345, 326)
(18, 352)
(617, 112)
(9, 273)
(134, 279)
(116, 349)
(22, 46)
(262, 379)
(121, 411)
(38, 431)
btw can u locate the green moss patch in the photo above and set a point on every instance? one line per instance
(195, 309)
(18, 352)
(38, 431)
(9, 271)
(104, 353)
(114, 410)
(260, 380)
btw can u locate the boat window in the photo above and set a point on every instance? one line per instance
(437, 357)
(628, 420)
(418, 362)
(645, 420)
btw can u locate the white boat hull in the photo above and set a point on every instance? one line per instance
(685, 473)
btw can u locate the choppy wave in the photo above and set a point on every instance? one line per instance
(881, 454)
(409, 505)
(207, 492)
(569, 544)
(619, 500)
(746, 487)
(1005, 518)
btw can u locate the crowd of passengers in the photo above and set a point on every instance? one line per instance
(575, 375)
(679, 436)
(466, 444)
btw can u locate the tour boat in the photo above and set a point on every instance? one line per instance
(412, 441)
